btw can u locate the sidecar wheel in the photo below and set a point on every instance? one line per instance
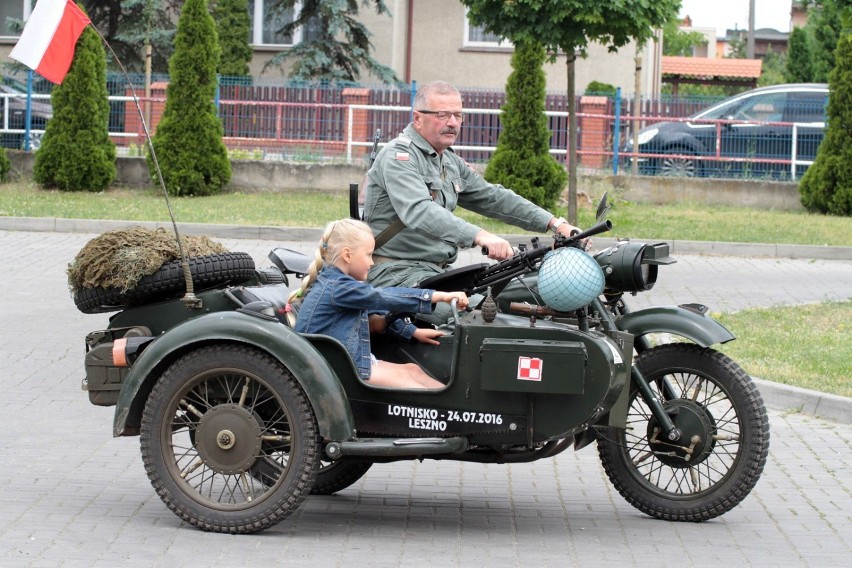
(718, 407)
(214, 419)
(338, 475)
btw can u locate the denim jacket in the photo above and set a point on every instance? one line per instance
(338, 305)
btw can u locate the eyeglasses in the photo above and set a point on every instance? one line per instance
(444, 115)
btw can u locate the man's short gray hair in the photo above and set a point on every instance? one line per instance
(421, 99)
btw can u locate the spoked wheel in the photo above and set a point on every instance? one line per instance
(337, 475)
(721, 453)
(229, 440)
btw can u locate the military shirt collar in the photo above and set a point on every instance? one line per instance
(411, 133)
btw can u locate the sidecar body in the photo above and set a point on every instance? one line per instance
(511, 382)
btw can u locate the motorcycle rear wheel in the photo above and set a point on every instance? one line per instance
(338, 475)
(724, 420)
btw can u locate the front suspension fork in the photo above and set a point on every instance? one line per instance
(670, 431)
(655, 404)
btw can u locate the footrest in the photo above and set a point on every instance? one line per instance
(396, 447)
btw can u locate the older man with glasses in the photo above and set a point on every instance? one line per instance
(416, 183)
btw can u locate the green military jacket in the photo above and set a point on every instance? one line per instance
(411, 181)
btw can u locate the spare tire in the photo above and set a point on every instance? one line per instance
(207, 271)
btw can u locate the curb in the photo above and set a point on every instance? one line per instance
(271, 233)
(778, 396)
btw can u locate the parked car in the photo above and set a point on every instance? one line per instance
(748, 134)
(14, 118)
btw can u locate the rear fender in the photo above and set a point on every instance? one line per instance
(311, 370)
(690, 321)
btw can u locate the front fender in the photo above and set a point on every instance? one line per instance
(678, 320)
(311, 370)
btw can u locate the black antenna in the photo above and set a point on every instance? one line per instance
(189, 299)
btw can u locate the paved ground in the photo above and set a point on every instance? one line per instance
(74, 496)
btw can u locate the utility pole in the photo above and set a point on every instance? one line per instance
(750, 41)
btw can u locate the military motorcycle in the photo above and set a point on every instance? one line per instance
(240, 418)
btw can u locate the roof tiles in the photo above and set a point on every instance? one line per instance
(702, 67)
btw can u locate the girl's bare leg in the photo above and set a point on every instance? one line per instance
(402, 376)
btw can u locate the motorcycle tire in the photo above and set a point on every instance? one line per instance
(338, 475)
(208, 271)
(247, 409)
(725, 437)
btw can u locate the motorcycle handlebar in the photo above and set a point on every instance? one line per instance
(525, 260)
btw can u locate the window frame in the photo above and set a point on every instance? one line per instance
(257, 25)
(26, 10)
(468, 43)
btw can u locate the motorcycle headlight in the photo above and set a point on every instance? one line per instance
(632, 267)
(647, 135)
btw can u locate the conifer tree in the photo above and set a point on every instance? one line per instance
(522, 160)
(800, 66)
(335, 44)
(188, 141)
(827, 185)
(76, 153)
(5, 165)
(233, 26)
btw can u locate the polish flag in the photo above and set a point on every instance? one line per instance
(47, 42)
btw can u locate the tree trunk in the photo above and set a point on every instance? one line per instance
(637, 106)
(572, 141)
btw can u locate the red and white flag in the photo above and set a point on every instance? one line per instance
(48, 40)
(530, 368)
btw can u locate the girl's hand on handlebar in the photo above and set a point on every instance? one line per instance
(427, 335)
(460, 297)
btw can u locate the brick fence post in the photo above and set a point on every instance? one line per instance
(356, 96)
(594, 130)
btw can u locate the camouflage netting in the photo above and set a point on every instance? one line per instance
(120, 258)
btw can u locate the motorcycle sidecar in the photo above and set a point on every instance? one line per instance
(240, 417)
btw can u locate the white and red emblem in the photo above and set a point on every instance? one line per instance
(529, 368)
(402, 156)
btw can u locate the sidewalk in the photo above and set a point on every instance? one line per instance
(724, 276)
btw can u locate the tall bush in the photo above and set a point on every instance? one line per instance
(188, 142)
(800, 65)
(76, 153)
(522, 160)
(5, 165)
(233, 27)
(827, 185)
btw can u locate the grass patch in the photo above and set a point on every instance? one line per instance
(808, 346)
(314, 209)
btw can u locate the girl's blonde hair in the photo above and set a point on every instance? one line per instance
(336, 236)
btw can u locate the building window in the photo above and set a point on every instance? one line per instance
(17, 9)
(476, 36)
(267, 23)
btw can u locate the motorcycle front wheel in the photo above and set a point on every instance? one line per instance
(723, 447)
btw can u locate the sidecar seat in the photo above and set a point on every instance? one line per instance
(270, 300)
